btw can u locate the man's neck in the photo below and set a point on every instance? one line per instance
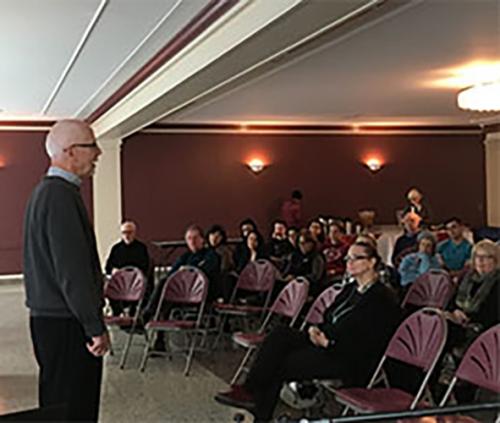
(457, 240)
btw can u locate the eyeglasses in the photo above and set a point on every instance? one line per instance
(484, 256)
(450, 227)
(356, 258)
(93, 145)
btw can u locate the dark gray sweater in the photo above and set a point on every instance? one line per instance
(62, 272)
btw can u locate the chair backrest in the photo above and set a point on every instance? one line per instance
(432, 289)
(315, 314)
(257, 276)
(291, 299)
(419, 339)
(481, 362)
(189, 285)
(127, 284)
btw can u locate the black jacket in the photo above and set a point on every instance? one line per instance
(360, 335)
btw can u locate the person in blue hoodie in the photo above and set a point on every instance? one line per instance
(424, 259)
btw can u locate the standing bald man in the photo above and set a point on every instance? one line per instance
(63, 278)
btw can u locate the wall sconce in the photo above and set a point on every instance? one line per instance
(373, 164)
(256, 166)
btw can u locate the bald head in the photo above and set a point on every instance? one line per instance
(66, 133)
(71, 146)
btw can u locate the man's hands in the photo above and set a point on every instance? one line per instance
(317, 337)
(100, 345)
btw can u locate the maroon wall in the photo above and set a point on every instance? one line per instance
(171, 180)
(22, 164)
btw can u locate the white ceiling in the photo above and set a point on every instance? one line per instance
(38, 39)
(378, 72)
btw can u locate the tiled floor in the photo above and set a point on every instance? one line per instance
(162, 393)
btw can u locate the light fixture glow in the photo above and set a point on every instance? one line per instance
(481, 98)
(256, 165)
(373, 164)
(466, 75)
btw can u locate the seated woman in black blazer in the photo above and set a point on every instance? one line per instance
(347, 346)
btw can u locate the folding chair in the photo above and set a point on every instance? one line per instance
(186, 287)
(288, 304)
(418, 341)
(480, 366)
(258, 277)
(127, 284)
(324, 300)
(432, 289)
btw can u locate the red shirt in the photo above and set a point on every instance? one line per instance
(291, 213)
(334, 256)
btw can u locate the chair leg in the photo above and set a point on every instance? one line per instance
(241, 366)
(220, 331)
(190, 355)
(345, 411)
(126, 350)
(145, 355)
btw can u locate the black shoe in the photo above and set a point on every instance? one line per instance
(236, 397)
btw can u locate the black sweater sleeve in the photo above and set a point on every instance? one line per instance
(74, 265)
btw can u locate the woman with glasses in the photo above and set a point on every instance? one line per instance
(474, 308)
(346, 346)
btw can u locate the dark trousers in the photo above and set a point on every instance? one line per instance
(70, 376)
(286, 355)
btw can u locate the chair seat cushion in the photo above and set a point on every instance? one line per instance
(237, 309)
(248, 339)
(170, 324)
(118, 320)
(377, 399)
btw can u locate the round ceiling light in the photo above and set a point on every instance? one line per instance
(481, 98)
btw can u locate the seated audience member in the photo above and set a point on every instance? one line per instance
(293, 235)
(415, 264)
(128, 252)
(416, 204)
(475, 307)
(456, 250)
(217, 239)
(347, 346)
(317, 232)
(335, 249)
(278, 249)
(407, 242)
(246, 226)
(252, 250)
(307, 262)
(476, 302)
(205, 259)
(387, 275)
(291, 210)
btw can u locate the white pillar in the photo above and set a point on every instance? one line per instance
(492, 160)
(107, 193)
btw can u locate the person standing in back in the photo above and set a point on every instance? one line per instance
(63, 278)
(291, 210)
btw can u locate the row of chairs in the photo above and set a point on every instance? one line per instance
(419, 340)
(189, 287)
